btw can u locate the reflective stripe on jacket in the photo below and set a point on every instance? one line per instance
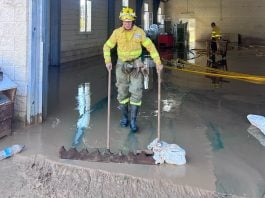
(129, 45)
(216, 33)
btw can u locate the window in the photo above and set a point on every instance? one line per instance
(148, 17)
(125, 3)
(160, 17)
(146, 7)
(85, 16)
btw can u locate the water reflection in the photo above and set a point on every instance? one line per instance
(131, 143)
(217, 60)
(83, 107)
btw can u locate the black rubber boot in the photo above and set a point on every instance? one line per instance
(134, 112)
(124, 115)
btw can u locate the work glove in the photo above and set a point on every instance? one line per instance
(159, 68)
(109, 66)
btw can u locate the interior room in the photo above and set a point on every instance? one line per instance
(203, 94)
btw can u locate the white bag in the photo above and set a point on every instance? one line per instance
(258, 121)
(169, 153)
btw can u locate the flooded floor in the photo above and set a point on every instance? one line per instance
(205, 116)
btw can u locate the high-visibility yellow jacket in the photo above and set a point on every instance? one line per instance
(216, 32)
(129, 45)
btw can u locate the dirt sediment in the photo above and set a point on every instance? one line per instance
(40, 177)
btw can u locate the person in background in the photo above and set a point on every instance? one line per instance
(129, 69)
(215, 36)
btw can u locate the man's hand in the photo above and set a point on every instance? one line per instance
(159, 68)
(109, 66)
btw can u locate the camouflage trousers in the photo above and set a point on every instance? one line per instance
(130, 87)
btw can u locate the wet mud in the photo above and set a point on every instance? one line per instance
(105, 155)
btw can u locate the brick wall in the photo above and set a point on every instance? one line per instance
(13, 48)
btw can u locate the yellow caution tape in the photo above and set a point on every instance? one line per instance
(185, 66)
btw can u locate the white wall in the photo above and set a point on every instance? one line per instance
(245, 17)
(13, 48)
(76, 45)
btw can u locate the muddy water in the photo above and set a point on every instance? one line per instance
(208, 121)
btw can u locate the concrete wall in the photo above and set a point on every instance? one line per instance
(118, 7)
(76, 45)
(244, 17)
(13, 48)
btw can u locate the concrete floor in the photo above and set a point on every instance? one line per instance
(207, 120)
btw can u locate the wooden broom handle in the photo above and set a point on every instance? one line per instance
(108, 119)
(158, 104)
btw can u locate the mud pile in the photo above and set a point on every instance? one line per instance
(40, 177)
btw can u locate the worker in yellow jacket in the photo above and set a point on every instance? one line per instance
(129, 69)
(215, 36)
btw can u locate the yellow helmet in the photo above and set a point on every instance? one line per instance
(127, 14)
